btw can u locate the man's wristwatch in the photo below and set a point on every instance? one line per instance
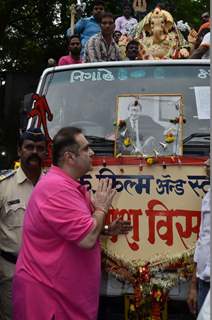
(106, 227)
(105, 230)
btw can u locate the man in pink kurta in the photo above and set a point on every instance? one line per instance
(74, 49)
(57, 218)
(58, 272)
(68, 60)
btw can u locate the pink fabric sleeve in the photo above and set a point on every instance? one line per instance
(62, 61)
(68, 214)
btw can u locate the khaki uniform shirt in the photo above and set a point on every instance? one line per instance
(15, 191)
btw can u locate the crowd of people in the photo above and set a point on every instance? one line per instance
(101, 37)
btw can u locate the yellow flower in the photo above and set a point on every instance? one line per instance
(170, 139)
(127, 142)
(150, 161)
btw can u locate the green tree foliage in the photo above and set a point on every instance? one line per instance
(32, 31)
(188, 10)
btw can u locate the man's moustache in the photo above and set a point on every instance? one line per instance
(34, 158)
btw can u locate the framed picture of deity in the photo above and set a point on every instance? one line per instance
(149, 125)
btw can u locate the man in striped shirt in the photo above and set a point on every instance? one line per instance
(102, 47)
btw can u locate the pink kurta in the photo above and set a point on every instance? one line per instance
(68, 60)
(55, 278)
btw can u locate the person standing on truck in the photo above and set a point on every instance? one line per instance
(203, 51)
(200, 283)
(74, 49)
(132, 50)
(116, 36)
(205, 17)
(15, 189)
(58, 268)
(87, 27)
(102, 47)
(126, 22)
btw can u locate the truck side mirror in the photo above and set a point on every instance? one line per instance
(26, 107)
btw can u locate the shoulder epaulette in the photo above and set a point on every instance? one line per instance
(4, 174)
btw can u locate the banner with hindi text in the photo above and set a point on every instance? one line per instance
(163, 206)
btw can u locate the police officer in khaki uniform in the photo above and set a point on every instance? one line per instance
(15, 189)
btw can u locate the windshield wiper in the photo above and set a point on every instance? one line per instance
(97, 139)
(197, 144)
(205, 136)
(101, 145)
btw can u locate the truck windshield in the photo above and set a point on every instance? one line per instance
(86, 97)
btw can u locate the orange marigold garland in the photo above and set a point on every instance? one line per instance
(150, 292)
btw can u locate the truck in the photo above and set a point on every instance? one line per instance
(156, 165)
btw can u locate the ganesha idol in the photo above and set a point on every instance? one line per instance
(159, 37)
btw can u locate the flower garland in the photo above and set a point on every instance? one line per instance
(151, 281)
(170, 136)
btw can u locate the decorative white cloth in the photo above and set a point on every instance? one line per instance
(202, 251)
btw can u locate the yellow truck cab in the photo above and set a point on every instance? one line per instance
(157, 165)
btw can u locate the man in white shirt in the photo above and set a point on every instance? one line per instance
(200, 283)
(203, 51)
(125, 23)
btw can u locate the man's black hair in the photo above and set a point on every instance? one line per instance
(132, 42)
(127, 4)
(107, 15)
(73, 36)
(98, 3)
(64, 140)
(117, 31)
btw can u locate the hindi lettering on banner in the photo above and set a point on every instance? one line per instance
(198, 182)
(168, 185)
(131, 215)
(141, 183)
(163, 226)
(170, 215)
